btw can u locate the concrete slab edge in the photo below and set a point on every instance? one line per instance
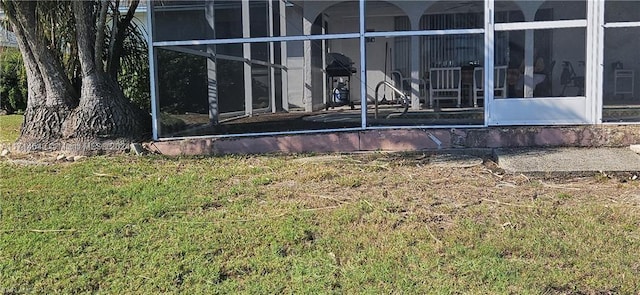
(409, 140)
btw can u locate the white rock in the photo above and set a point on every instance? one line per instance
(4, 153)
(635, 148)
(60, 157)
(69, 158)
(78, 158)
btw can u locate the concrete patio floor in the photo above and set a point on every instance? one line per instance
(573, 160)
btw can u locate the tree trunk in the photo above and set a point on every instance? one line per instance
(103, 113)
(57, 118)
(50, 97)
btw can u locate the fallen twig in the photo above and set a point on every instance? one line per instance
(321, 208)
(525, 177)
(432, 235)
(507, 204)
(560, 186)
(372, 207)
(331, 198)
(103, 175)
(39, 230)
(506, 184)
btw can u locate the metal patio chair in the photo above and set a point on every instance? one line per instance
(445, 84)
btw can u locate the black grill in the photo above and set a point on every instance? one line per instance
(339, 66)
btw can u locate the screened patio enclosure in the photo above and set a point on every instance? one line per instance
(225, 68)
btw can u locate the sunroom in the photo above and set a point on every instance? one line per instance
(258, 67)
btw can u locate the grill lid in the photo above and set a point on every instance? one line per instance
(339, 65)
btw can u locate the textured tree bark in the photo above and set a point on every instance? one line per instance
(57, 118)
(50, 96)
(103, 113)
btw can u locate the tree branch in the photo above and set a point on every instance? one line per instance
(117, 39)
(100, 33)
(131, 12)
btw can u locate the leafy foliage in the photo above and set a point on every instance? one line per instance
(133, 76)
(58, 29)
(184, 82)
(13, 81)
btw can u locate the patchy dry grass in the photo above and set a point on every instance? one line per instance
(377, 223)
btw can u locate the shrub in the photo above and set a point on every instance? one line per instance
(13, 81)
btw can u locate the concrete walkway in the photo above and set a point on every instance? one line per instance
(549, 160)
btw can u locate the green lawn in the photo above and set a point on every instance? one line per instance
(9, 128)
(376, 223)
(379, 223)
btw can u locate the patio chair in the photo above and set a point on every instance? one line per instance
(499, 83)
(623, 82)
(404, 84)
(445, 84)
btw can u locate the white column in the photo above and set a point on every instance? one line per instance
(415, 73)
(414, 52)
(307, 67)
(246, 53)
(283, 57)
(272, 72)
(363, 65)
(528, 63)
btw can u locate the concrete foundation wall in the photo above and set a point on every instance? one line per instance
(409, 140)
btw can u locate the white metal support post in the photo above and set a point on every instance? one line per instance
(272, 72)
(246, 53)
(153, 74)
(489, 60)
(598, 62)
(283, 56)
(363, 65)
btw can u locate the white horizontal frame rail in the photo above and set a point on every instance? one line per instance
(173, 8)
(258, 40)
(424, 33)
(621, 25)
(541, 25)
(316, 37)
